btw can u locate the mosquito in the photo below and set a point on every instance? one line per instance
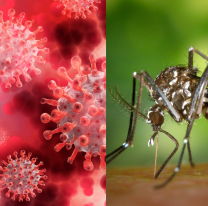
(179, 91)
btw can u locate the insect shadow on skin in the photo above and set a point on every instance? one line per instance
(180, 92)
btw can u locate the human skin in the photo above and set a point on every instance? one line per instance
(135, 185)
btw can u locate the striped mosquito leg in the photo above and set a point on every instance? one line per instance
(176, 170)
(131, 137)
(110, 157)
(171, 155)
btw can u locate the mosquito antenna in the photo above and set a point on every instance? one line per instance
(118, 101)
(124, 103)
(120, 96)
(132, 107)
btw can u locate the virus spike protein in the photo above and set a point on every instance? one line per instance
(78, 7)
(21, 176)
(81, 112)
(19, 49)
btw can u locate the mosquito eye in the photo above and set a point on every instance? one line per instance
(156, 118)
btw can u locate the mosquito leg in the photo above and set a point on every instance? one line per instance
(145, 83)
(197, 100)
(132, 122)
(180, 159)
(130, 138)
(194, 109)
(191, 54)
(190, 65)
(190, 156)
(171, 155)
(117, 152)
(125, 145)
(190, 58)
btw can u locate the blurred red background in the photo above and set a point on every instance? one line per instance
(20, 109)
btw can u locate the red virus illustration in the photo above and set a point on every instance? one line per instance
(81, 111)
(22, 176)
(78, 7)
(4, 137)
(19, 49)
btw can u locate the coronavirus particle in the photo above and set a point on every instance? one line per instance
(4, 137)
(78, 7)
(81, 111)
(22, 176)
(19, 49)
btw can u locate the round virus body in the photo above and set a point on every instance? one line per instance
(22, 176)
(78, 7)
(18, 49)
(4, 137)
(81, 111)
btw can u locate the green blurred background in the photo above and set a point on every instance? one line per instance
(151, 35)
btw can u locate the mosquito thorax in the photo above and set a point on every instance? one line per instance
(178, 83)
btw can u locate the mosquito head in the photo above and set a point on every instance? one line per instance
(155, 117)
